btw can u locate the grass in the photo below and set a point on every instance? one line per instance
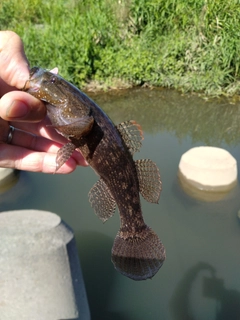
(192, 45)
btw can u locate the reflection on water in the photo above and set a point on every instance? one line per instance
(212, 194)
(200, 277)
(8, 178)
(16, 189)
(228, 301)
(97, 272)
(212, 121)
(180, 301)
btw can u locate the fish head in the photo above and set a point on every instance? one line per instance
(46, 86)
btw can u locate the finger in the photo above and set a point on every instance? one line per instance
(43, 128)
(20, 156)
(37, 143)
(34, 143)
(41, 139)
(4, 131)
(38, 129)
(24, 159)
(14, 69)
(21, 106)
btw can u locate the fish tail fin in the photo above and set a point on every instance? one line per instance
(138, 257)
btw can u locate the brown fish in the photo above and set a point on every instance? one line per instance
(137, 251)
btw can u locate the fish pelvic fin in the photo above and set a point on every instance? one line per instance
(102, 201)
(132, 134)
(138, 257)
(64, 154)
(150, 185)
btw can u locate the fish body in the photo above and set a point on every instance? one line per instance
(137, 251)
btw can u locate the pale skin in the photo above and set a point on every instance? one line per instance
(34, 145)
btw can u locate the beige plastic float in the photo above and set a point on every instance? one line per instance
(207, 169)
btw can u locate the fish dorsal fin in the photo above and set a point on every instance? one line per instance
(102, 201)
(132, 135)
(150, 184)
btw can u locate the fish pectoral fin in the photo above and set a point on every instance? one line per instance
(102, 201)
(77, 127)
(132, 134)
(64, 154)
(150, 184)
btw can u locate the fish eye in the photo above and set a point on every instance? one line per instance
(53, 79)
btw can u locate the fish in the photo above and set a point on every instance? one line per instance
(137, 251)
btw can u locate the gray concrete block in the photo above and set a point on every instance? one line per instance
(40, 274)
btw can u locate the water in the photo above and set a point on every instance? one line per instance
(200, 277)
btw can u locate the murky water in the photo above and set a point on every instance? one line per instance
(200, 277)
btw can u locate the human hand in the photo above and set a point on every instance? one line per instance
(31, 146)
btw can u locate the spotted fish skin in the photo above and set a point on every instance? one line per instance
(137, 251)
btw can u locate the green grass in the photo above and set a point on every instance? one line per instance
(192, 45)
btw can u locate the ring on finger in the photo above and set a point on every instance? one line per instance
(10, 135)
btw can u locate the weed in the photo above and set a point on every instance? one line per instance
(193, 45)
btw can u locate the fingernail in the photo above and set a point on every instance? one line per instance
(17, 109)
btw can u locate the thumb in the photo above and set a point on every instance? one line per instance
(14, 69)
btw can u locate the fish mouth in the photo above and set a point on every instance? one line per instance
(35, 72)
(31, 86)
